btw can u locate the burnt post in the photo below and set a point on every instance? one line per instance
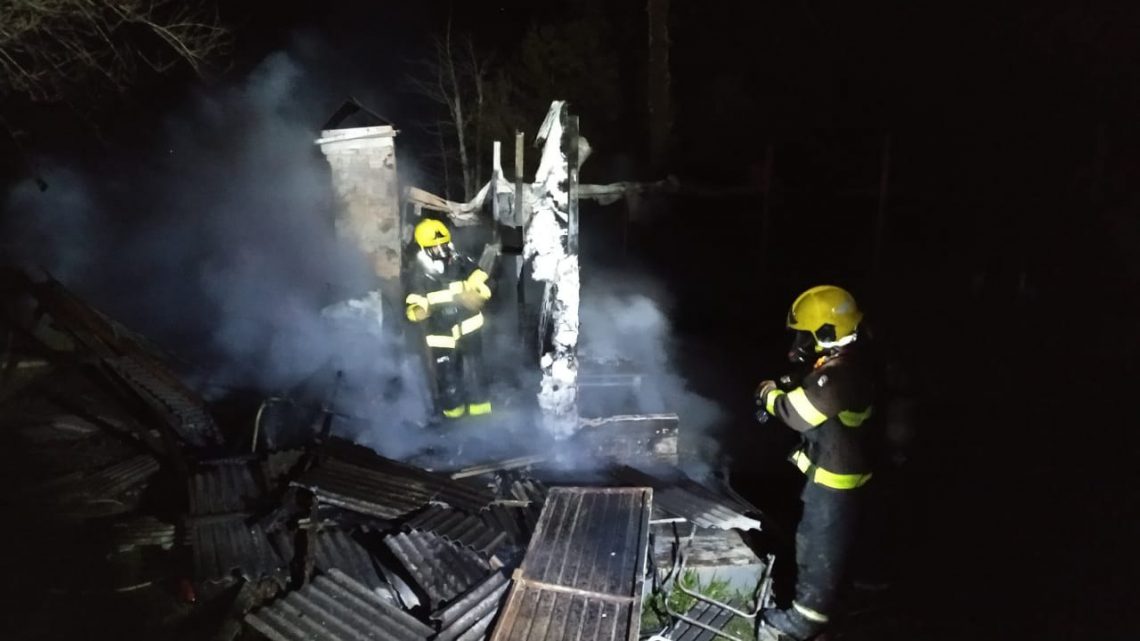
(550, 248)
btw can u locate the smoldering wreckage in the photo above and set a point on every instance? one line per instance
(278, 528)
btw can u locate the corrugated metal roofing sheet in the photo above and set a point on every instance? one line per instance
(334, 607)
(498, 466)
(517, 509)
(441, 569)
(689, 500)
(132, 361)
(142, 531)
(108, 482)
(517, 522)
(528, 490)
(479, 533)
(337, 549)
(469, 616)
(182, 410)
(221, 494)
(362, 490)
(358, 479)
(120, 477)
(223, 487)
(225, 546)
(582, 575)
(703, 511)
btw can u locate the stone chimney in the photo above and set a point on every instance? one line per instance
(363, 161)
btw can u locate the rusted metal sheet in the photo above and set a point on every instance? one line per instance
(581, 579)
(334, 607)
(470, 616)
(355, 478)
(441, 569)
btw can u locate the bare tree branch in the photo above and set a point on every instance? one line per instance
(53, 49)
(455, 77)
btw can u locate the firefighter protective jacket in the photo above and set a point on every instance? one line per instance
(830, 410)
(440, 297)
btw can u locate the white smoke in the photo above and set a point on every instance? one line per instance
(624, 321)
(219, 243)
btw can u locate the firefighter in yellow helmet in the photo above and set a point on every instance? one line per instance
(830, 407)
(446, 294)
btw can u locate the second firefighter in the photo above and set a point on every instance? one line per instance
(446, 294)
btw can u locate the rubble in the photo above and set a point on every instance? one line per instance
(223, 495)
(440, 569)
(473, 532)
(469, 617)
(336, 549)
(106, 484)
(355, 478)
(334, 606)
(293, 533)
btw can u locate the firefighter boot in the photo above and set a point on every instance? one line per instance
(785, 625)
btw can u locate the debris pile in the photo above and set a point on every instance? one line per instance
(327, 540)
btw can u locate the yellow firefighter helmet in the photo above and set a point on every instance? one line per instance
(432, 233)
(828, 312)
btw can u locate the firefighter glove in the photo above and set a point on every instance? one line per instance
(762, 391)
(418, 307)
(470, 300)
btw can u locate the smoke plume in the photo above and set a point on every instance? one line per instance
(625, 321)
(219, 243)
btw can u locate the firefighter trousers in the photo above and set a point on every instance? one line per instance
(460, 377)
(824, 539)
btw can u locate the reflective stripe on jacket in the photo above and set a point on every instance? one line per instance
(831, 408)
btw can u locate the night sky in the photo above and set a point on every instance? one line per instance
(1006, 285)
